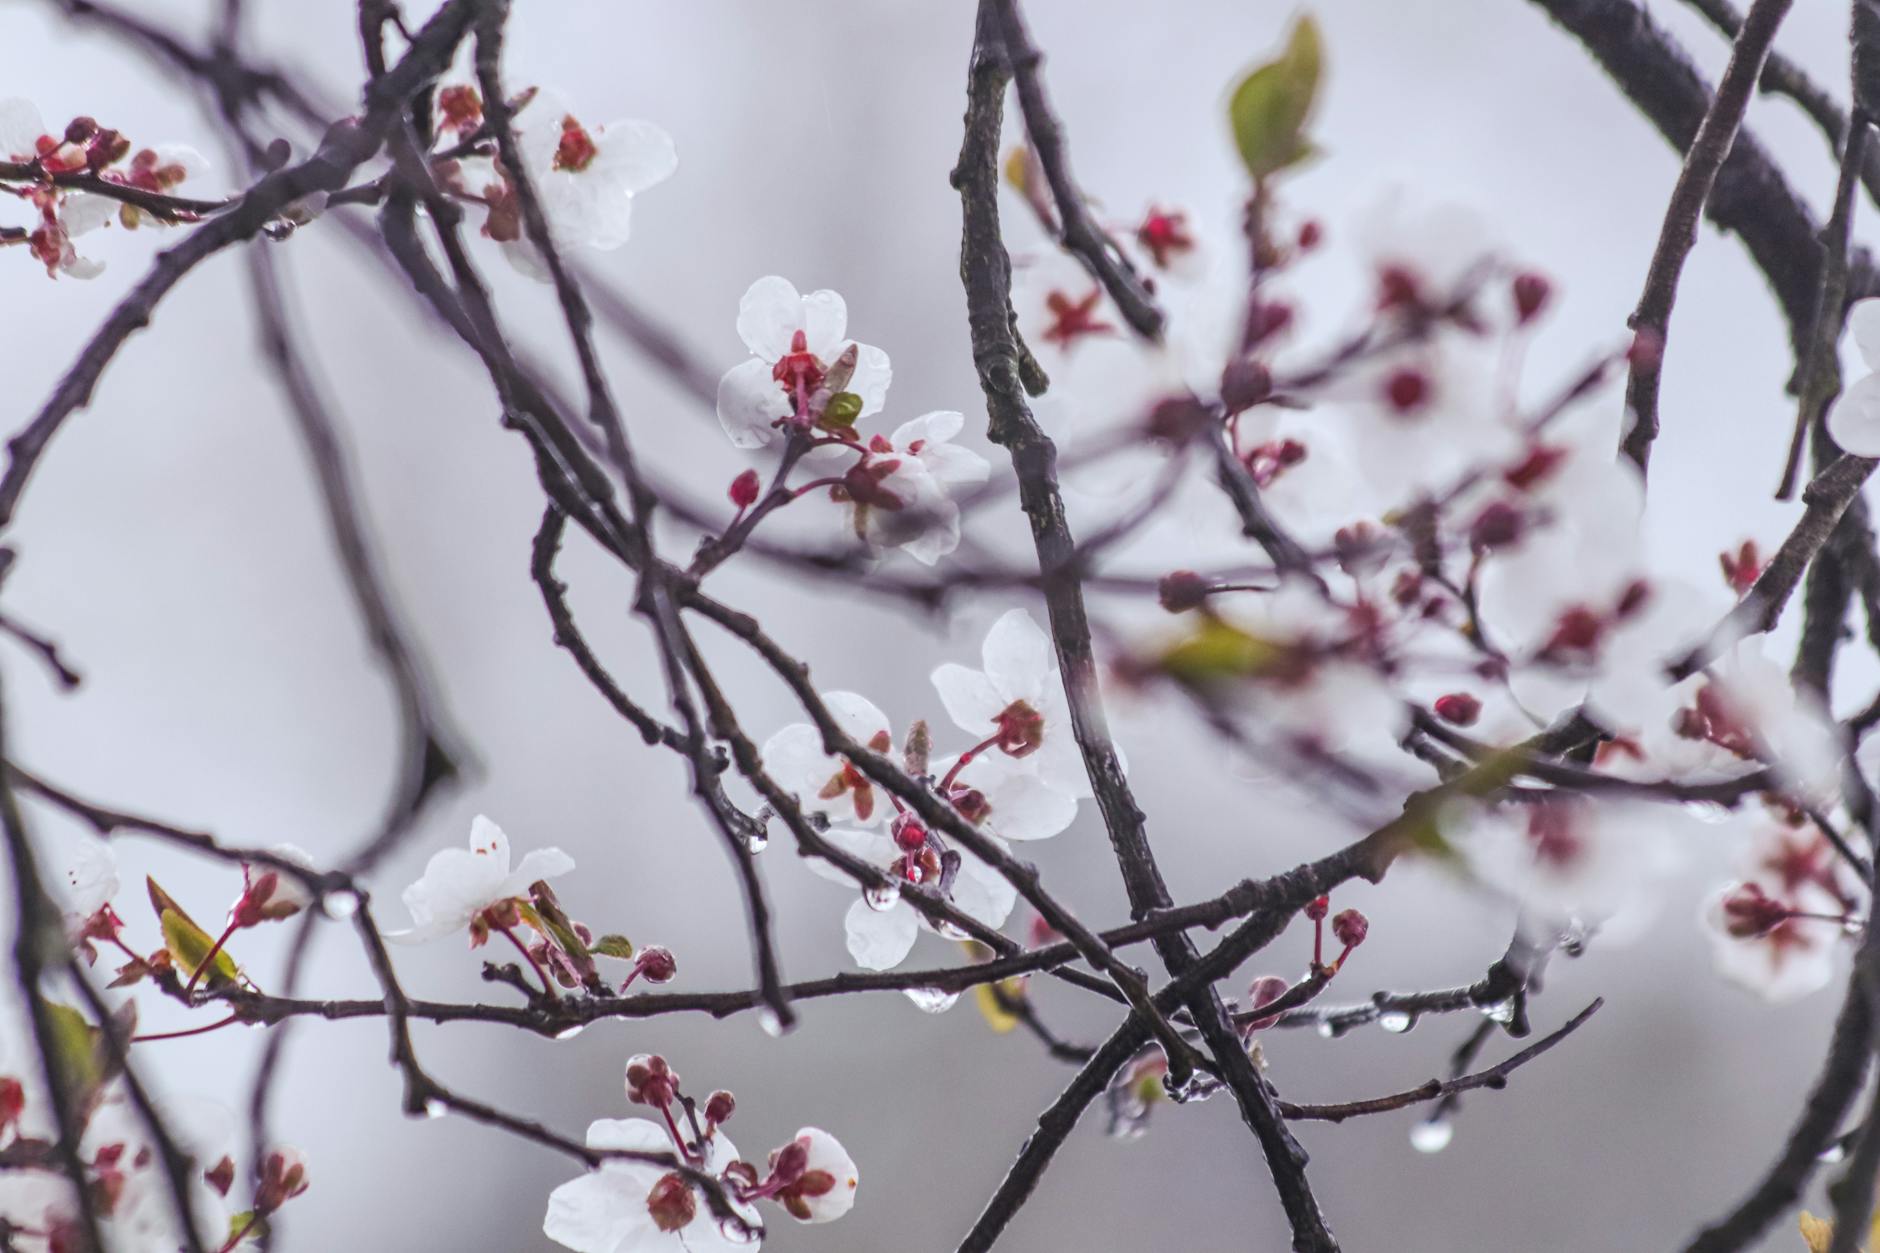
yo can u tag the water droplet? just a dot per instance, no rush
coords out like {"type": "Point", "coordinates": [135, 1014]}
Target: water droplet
{"type": "Point", "coordinates": [756, 840]}
{"type": "Point", "coordinates": [339, 906]}
{"type": "Point", "coordinates": [883, 897]}
{"type": "Point", "coordinates": [1327, 1029]}
{"type": "Point", "coordinates": [947, 930]}
{"type": "Point", "coordinates": [1198, 1088]}
{"type": "Point", "coordinates": [1396, 1020]}
{"type": "Point", "coordinates": [1499, 1011]}
{"type": "Point", "coordinates": [570, 1032]}
{"type": "Point", "coordinates": [1852, 925]}
{"type": "Point", "coordinates": [932, 1000]}
{"type": "Point", "coordinates": [1432, 1135]}
{"type": "Point", "coordinates": [767, 1020]}
{"type": "Point", "coordinates": [1833, 1153]}
{"type": "Point", "coordinates": [435, 1108]}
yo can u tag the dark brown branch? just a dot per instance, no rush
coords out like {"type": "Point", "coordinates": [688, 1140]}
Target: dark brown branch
{"type": "Point", "coordinates": [1705, 157]}
{"type": "Point", "coordinates": [1079, 233]}
{"type": "Point", "coordinates": [1495, 1076]}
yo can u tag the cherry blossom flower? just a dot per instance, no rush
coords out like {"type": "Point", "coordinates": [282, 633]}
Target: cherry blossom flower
{"type": "Point", "coordinates": [1854, 419]}
{"type": "Point", "coordinates": [881, 927]}
{"type": "Point", "coordinates": [1774, 931]}
{"type": "Point", "coordinates": [830, 786]}
{"type": "Point", "coordinates": [801, 359]}
{"type": "Point", "coordinates": [587, 176]}
{"type": "Point", "coordinates": [628, 1206]}
{"type": "Point", "coordinates": [1572, 859]}
{"type": "Point", "coordinates": [1016, 704]}
{"type": "Point", "coordinates": [817, 1176]}
{"type": "Point", "coordinates": [896, 493]}
{"type": "Point", "coordinates": [459, 884]}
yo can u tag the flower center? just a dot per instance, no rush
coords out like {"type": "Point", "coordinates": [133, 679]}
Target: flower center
{"type": "Point", "coordinates": [1020, 729]}
{"type": "Point", "coordinates": [1164, 235]}
{"type": "Point", "coordinates": [1072, 320]}
{"type": "Point", "coordinates": [577, 148]}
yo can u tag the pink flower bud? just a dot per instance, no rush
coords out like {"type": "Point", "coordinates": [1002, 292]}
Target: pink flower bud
{"type": "Point", "coordinates": [1181, 590]}
{"type": "Point", "coordinates": [1458, 708]}
{"type": "Point", "coordinates": [671, 1202]}
{"type": "Point", "coordinates": [650, 1081]}
{"type": "Point", "coordinates": [1265, 990]}
{"type": "Point", "coordinates": [1318, 907]}
{"type": "Point", "coordinates": [744, 489]}
{"type": "Point", "coordinates": [656, 964]}
{"type": "Point", "coordinates": [1531, 292]}
{"type": "Point", "coordinates": [1407, 390]}
{"type": "Point", "coordinates": [719, 1107]}
{"type": "Point", "coordinates": [1350, 927]}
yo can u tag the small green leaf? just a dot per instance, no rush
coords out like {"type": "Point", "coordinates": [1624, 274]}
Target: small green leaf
{"type": "Point", "coordinates": [77, 1051]}
{"type": "Point", "coordinates": [842, 410]}
{"type": "Point", "coordinates": [614, 946]}
{"type": "Point", "coordinates": [244, 1227]}
{"type": "Point", "coordinates": [188, 943]}
{"type": "Point", "coordinates": [1271, 105]}
{"type": "Point", "coordinates": [1217, 651]}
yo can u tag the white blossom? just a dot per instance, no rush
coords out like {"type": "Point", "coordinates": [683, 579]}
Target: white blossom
{"type": "Point", "coordinates": [458, 884]}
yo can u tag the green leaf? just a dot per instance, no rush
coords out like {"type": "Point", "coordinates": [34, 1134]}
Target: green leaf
{"type": "Point", "coordinates": [614, 946]}
{"type": "Point", "coordinates": [188, 943]}
{"type": "Point", "coordinates": [244, 1227]}
{"type": "Point", "coordinates": [1271, 105]}
{"type": "Point", "coordinates": [841, 411]}
{"type": "Point", "coordinates": [78, 1053]}
{"type": "Point", "coordinates": [1218, 651]}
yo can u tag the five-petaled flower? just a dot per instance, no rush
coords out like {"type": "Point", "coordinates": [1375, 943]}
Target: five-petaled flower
{"type": "Point", "coordinates": [459, 884]}
{"type": "Point", "coordinates": [897, 492]}
{"type": "Point", "coordinates": [626, 1206]}
{"type": "Point", "coordinates": [801, 363]}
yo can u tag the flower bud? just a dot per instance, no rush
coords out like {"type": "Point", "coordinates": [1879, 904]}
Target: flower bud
{"type": "Point", "coordinates": [650, 1081]}
{"type": "Point", "coordinates": [1244, 384]}
{"type": "Point", "coordinates": [1318, 907]}
{"type": "Point", "coordinates": [1531, 292]}
{"type": "Point", "coordinates": [1458, 708]}
{"type": "Point", "coordinates": [719, 1107]}
{"type": "Point", "coordinates": [1181, 590]}
{"type": "Point", "coordinates": [744, 489]}
{"type": "Point", "coordinates": [671, 1202]}
{"type": "Point", "coordinates": [1350, 927]}
{"type": "Point", "coordinates": [1498, 525]}
{"type": "Point", "coordinates": [1264, 991]}
{"type": "Point", "coordinates": [656, 964]}
{"type": "Point", "coordinates": [283, 1177]}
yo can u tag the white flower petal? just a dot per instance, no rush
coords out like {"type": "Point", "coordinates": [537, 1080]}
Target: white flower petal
{"type": "Point", "coordinates": [826, 1154]}
{"type": "Point", "coordinates": [824, 318]}
{"type": "Point", "coordinates": [599, 1213]}
{"type": "Point", "coordinates": [880, 939]}
{"type": "Point", "coordinates": [749, 401]}
{"type": "Point", "coordinates": [1863, 320]}
{"type": "Point", "coordinates": [1854, 419]}
{"type": "Point", "coordinates": [970, 699]}
{"type": "Point", "coordinates": [639, 154]}
{"type": "Point", "coordinates": [873, 847]}
{"type": "Point", "coordinates": [871, 378]}
{"type": "Point", "coordinates": [1018, 657]}
{"type": "Point", "coordinates": [768, 315]}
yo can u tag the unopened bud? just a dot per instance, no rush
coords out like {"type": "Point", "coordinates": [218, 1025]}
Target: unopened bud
{"type": "Point", "coordinates": [1181, 590]}
{"type": "Point", "coordinates": [1531, 292]}
{"type": "Point", "coordinates": [656, 964]}
{"type": "Point", "coordinates": [1318, 907]}
{"type": "Point", "coordinates": [1350, 927]}
{"type": "Point", "coordinates": [744, 489]}
{"type": "Point", "coordinates": [1458, 708]}
{"type": "Point", "coordinates": [719, 1107]}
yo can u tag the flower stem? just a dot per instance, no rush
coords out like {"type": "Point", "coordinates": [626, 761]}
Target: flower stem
{"type": "Point", "coordinates": [548, 988]}
{"type": "Point", "coordinates": [208, 960]}
{"type": "Point", "coordinates": [178, 1035]}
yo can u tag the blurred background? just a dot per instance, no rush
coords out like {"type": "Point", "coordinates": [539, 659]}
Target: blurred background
{"type": "Point", "coordinates": [173, 543]}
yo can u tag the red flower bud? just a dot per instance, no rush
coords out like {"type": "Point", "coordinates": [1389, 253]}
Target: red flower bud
{"type": "Point", "coordinates": [671, 1202]}
{"type": "Point", "coordinates": [1318, 907]}
{"type": "Point", "coordinates": [1181, 590]}
{"type": "Point", "coordinates": [1458, 708]}
{"type": "Point", "coordinates": [656, 964]}
{"type": "Point", "coordinates": [719, 1107]}
{"type": "Point", "coordinates": [1350, 927]}
{"type": "Point", "coordinates": [1531, 292]}
{"type": "Point", "coordinates": [744, 489]}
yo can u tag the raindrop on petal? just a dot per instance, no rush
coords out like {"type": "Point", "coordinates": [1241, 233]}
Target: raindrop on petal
{"type": "Point", "coordinates": [1432, 1135]}
{"type": "Point", "coordinates": [883, 897]}
{"type": "Point", "coordinates": [736, 1231]}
